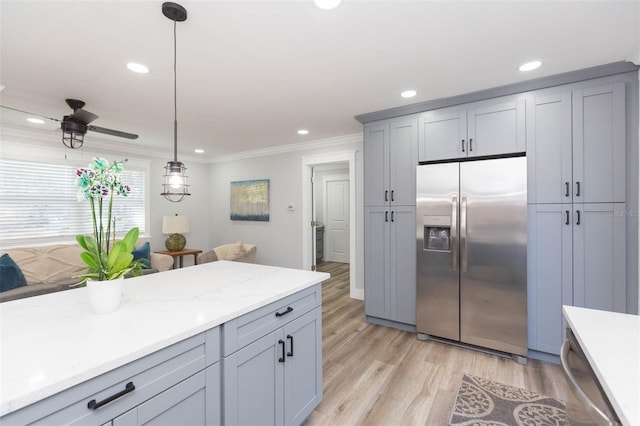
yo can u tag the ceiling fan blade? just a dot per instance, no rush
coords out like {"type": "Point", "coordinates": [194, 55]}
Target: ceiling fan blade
{"type": "Point", "coordinates": [112, 132]}
{"type": "Point", "coordinates": [30, 113]}
{"type": "Point", "coordinates": [84, 117]}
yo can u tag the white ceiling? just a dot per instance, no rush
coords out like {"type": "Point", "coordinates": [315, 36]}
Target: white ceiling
{"type": "Point", "coordinates": [251, 73]}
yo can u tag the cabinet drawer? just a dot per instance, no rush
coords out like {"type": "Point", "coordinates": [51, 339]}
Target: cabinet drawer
{"type": "Point", "coordinates": [150, 375]}
{"type": "Point", "coordinates": [248, 328]}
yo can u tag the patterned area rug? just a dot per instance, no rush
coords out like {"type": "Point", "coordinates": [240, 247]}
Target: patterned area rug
{"type": "Point", "coordinates": [485, 402]}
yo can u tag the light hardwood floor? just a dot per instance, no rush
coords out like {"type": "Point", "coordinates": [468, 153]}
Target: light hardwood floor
{"type": "Point", "coordinates": [374, 375]}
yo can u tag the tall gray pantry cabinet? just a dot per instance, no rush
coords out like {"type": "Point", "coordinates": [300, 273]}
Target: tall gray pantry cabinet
{"type": "Point", "coordinates": [577, 210]}
{"type": "Point", "coordinates": [390, 159]}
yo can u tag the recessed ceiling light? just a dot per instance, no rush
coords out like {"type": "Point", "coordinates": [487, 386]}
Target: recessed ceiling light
{"type": "Point", "coordinates": [529, 66]}
{"type": "Point", "coordinates": [199, 151]}
{"type": "Point", "coordinates": [139, 68]}
{"type": "Point", "coordinates": [35, 120]}
{"type": "Point", "coordinates": [408, 93]}
{"type": "Point", "coordinates": [303, 132]}
{"type": "Point", "coordinates": [327, 4]}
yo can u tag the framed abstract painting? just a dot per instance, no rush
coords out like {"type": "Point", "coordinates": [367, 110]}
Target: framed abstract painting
{"type": "Point", "coordinates": [250, 200]}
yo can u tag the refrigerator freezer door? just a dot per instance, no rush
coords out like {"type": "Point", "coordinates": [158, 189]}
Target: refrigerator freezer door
{"type": "Point", "coordinates": [437, 276]}
{"type": "Point", "coordinates": [493, 278]}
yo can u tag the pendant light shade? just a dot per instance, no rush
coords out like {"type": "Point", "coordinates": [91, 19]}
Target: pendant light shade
{"type": "Point", "coordinates": [175, 187]}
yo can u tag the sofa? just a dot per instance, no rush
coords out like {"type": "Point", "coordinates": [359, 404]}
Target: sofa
{"type": "Point", "coordinates": [237, 252]}
{"type": "Point", "coordinates": [49, 269]}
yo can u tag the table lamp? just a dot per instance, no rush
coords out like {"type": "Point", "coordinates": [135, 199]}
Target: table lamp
{"type": "Point", "coordinates": [175, 226]}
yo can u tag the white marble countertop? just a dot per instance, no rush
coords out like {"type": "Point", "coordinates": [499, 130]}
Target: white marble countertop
{"type": "Point", "coordinates": [52, 342]}
{"type": "Point", "coordinates": [611, 343]}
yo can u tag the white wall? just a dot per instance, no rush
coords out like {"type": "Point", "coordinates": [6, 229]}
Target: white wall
{"type": "Point", "coordinates": [279, 240]}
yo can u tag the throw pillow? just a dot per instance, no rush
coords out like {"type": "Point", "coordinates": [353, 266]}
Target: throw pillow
{"type": "Point", "coordinates": [207, 257]}
{"type": "Point", "coordinates": [142, 254]}
{"type": "Point", "coordinates": [10, 274]}
{"type": "Point", "coordinates": [236, 251]}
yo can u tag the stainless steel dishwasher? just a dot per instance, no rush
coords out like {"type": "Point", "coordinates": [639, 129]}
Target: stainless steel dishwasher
{"type": "Point", "coordinates": [587, 403]}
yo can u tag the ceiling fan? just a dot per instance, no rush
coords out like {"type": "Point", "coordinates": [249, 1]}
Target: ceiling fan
{"type": "Point", "coordinates": [76, 125]}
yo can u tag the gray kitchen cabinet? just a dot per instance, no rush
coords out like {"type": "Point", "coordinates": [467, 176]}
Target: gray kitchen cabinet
{"type": "Point", "coordinates": [576, 256]}
{"type": "Point", "coordinates": [599, 256]}
{"type": "Point", "coordinates": [390, 159]}
{"type": "Point", "coordinates": [186, 403]}
{"type": "Point", "coordinates": [549, 274]}
{"type": "Point", "coordinates": [484, 128]}
{"type": "Point", "coordinates": [272, 368]}
{"type": "Point", "coordinates": [390, 259]}
{"type": "Point", "coordinates": [576, 145]}
{"type": "Point", "coordinates": [156, 389]}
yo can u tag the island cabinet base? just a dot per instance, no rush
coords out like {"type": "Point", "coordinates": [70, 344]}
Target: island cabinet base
{"type": "Point", "coordinates": [272, 362]}
{"type": "Point", "coordinates": [264, 367]}
{"type": "Point", "coordinates": [180, 381]}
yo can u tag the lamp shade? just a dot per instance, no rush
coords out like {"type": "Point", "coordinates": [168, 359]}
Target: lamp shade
{"type": "Point", "coordinates": [175, 224]}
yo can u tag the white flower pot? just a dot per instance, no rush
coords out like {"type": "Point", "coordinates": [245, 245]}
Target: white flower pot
{"type": "Point", "coordinates": [104, 296]}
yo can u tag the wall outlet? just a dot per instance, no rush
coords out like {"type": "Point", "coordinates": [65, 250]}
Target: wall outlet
{"type": "Point", "coordinates": [290, 207]}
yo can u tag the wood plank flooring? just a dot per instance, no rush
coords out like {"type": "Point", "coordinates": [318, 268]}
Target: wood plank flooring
{"type": "Point", "coordinates": [374, 375]}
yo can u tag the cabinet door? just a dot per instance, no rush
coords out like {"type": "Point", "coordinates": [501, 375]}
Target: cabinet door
{"type": "Point", "coordinates": [376, 262]}
{"type": "Point", "coordinates": [496, 128]}
{"type": "Point", "coordinates": [442, 134]}
{"type": "Point", "coordinates": [303, 367]}
{"type": "Point", "coordinates": [376, 164]}
{"type": "Point", "coordinates": [254, 383]}
{"type": "Point", "coordinates": [182, 404]}
{"type": "Point", "coordinates": [549, 274]}
{"type": "Point", "coordinates": [599, 144]}
{"type": "Point", "coordinates": [403, 159]}
{"type": "Point", "coordinates": [549, 153]}
{"type": "Point", "coordinates": [403, 264]}
{"type": "Point", "coordinates": [599, 250]}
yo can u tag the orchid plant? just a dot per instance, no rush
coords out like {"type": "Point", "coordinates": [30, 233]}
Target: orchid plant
{"type": "Point", "coordinates": [105, 258]}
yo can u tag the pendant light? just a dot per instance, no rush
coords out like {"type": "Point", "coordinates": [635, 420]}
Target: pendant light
{"type": "Point", "coordinates": [175, 186]}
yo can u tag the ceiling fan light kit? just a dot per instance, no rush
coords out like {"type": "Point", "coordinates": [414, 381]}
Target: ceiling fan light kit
{"type": "Point", "coordinates": [175, 187]}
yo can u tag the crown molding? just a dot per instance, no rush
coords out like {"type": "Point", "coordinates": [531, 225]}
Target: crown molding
{"type": "Point", "coordinates": [338, 141]}
{"type": "Point", "coordinates": [49, 140]}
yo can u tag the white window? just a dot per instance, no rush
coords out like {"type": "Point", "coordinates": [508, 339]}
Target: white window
{"type": "Point", "coordinates": [39, 202]}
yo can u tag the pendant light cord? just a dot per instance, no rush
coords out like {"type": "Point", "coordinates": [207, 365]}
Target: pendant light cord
{"type": "Point", "coordinates": [175, 96]}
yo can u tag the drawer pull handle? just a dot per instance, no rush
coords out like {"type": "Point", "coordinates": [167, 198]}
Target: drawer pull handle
{"type": "Point", "coordinates": [290, 338]}
{"type": "Point", "coordinates": [289, 309]}
{"type": "Point", "coordinates": [94, 405]}
{"type": "Point", "coordinates": [281, 342]}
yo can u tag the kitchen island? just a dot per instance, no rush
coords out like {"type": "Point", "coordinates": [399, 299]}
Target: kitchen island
{"type": "Point", "coordinates": [194, 328]}
{"type": "Point", "coordinates": [611, 343]}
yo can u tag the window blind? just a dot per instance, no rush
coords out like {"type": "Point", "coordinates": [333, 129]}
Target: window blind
{"type": "Point", "coordinates": [39, 200]}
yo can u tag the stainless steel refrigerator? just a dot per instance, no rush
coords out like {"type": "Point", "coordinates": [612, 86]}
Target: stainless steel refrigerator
{"type": "Point", "coordinates": [471, 221]}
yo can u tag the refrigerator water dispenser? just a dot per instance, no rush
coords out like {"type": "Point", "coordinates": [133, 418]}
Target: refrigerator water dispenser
{"type": "Point", "coordinates": [437, 233]}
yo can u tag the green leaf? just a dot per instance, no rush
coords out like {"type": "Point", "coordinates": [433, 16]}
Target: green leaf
{"type": "Point", "coordinates": [80, 240]}
{"type": "Point", "coordinates": [90, 260]}
{"type": "Point", "coordinates": [131, 238]}
{"type": "Point", "coordinates": [119, 261]}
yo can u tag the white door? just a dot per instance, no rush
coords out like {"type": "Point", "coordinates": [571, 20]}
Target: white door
{"type": "Point", "coordinates": [336, 218]}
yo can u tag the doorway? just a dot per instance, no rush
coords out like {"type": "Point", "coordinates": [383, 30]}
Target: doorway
{"type": "Point", "coordinates": [331, 165]}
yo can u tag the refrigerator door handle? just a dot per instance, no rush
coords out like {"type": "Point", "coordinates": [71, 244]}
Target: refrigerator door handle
{"type": "Point", "coordinates": [575, 387]}
{"type": "Point", "coordinates": [463, 234]}
{"type": "Point", "coordinates": [454, 234]}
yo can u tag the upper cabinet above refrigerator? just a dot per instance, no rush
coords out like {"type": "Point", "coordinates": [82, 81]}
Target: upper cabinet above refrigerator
{"type": "Point", "coordinates": [485, 128]}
